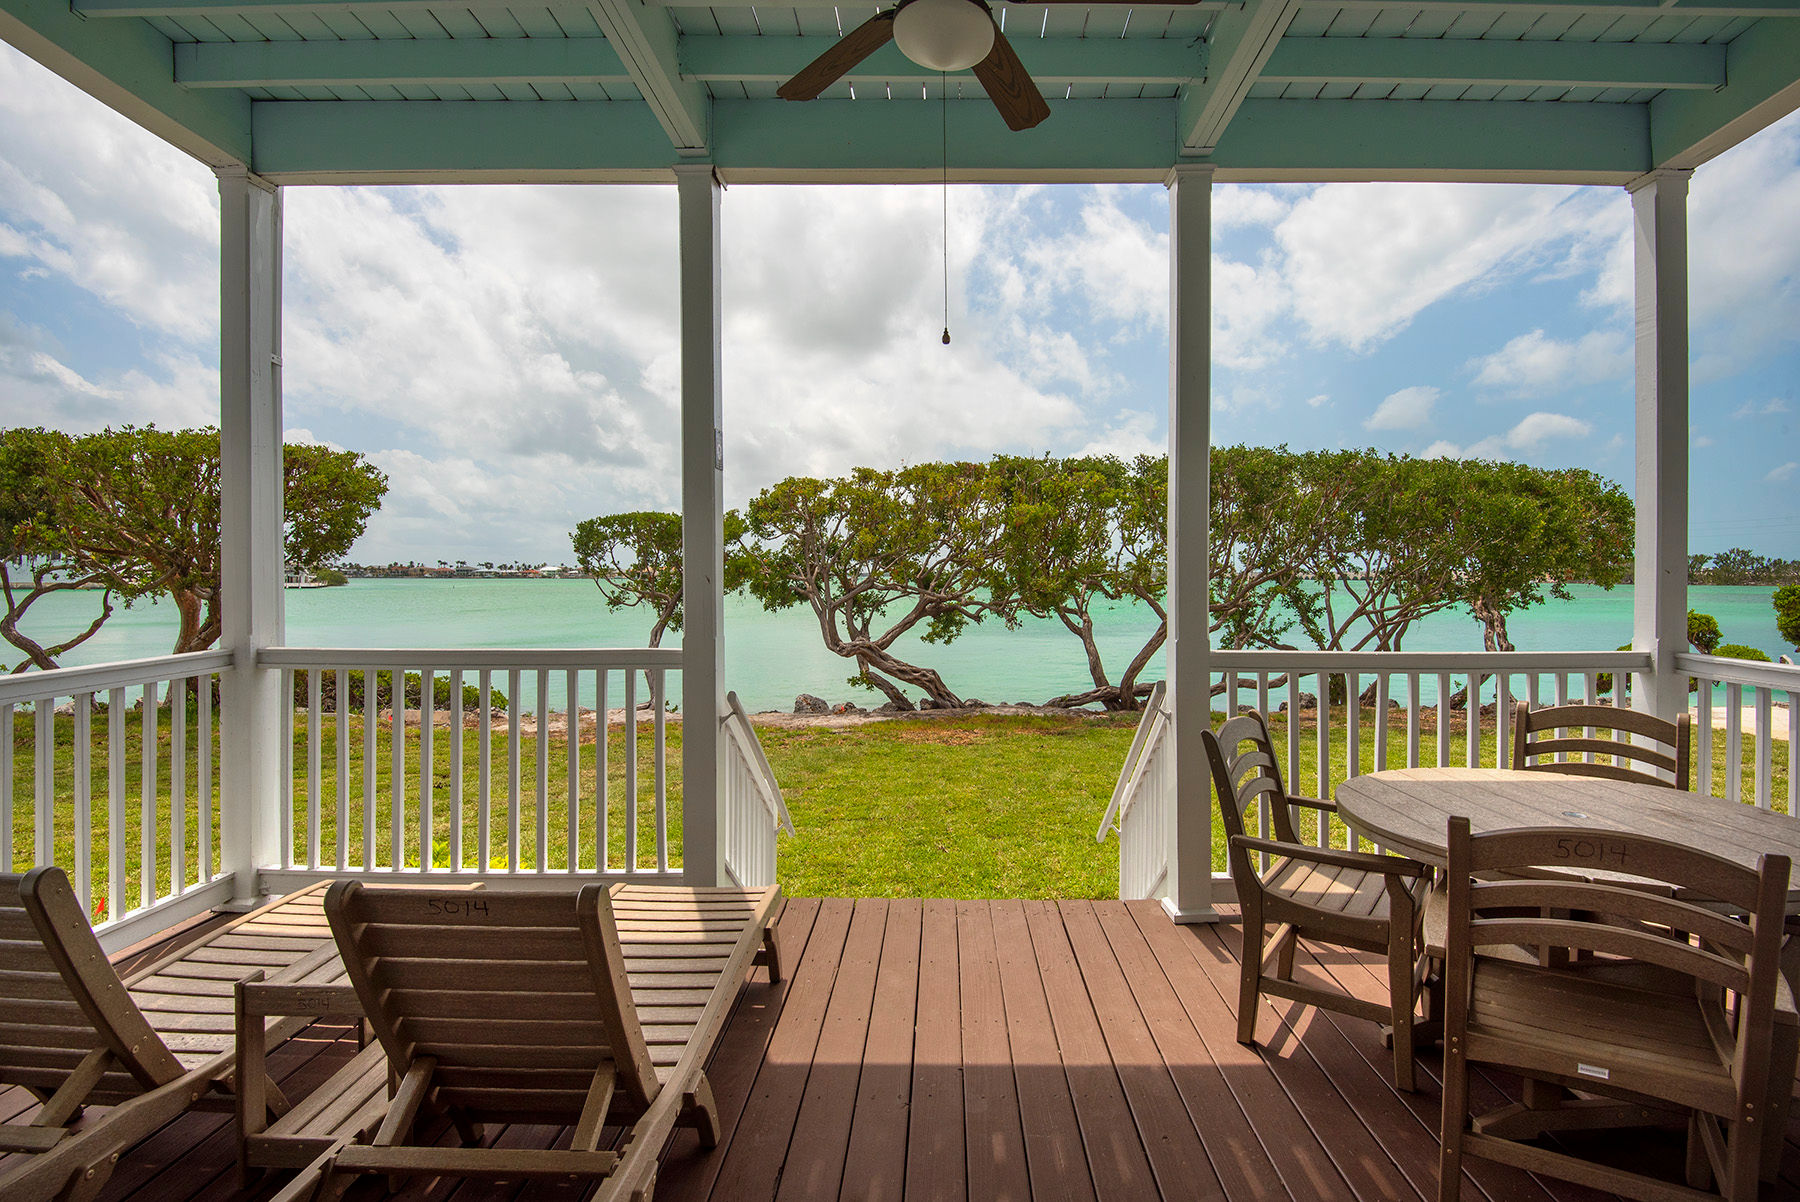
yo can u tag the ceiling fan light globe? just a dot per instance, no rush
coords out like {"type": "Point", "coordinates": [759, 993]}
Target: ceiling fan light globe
{"type": "Point", "coordinates": [944, 35]}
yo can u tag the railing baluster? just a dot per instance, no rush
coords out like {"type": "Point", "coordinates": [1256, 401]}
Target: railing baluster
{"type": "Point", "coordinates": [397, 775]}
{"type": "Point", "coordinates": [341, 738]}
{"type": "Point", "coordinates": [543, 770]}
{"type": "Point", "coordinates": [427, 764]}
{"type": "Point", "coordinates": [1381, 721]}
{"type": "Point", "coordinates": [203, 759]}
{"type": "Point", "coordinates": [456, 770]}
{"type": "Point", "coordinates": [1352, 729]}
{"type": "Point", "coordinates": [631, 758]}
{"type": "Point", "coordinates": [1502, 720]}
{"type": "Point", "coordinates": [662, 782]}
{"type": "Point", "coordinates": [1443, 719]}
{"type": "Point", "coordinates": [115, 803]}
{"type": "Point", "coordinates": [1323, 785]}
{"type": "Point", "coordinates": [83, 767]}
{"type": "Point", "coordinates": [43, 813]}
{"type": "Point", "coordinates": [602, 787]}
{"type": "Point", "coordinates": [1293, 731]}
{"type": "Point", "coordinates": [1704, 736]}
{"type": "Point", "coordinates": [1793, 725]}
{"type": "Point", "coordinates": [178, 690]}
{"type": "Point", "coordinates": [286, 787]}
{"type": "Point", "coordinates": [572, 741]}
{"type": "Point", "coordinates": [147, 857]}
{"type": "Point", "coordinates": [1412, 720]}
{"type": "Point", "coordinates": [1472, 734]}
{"type": "Point", "coordinates": [513, 836]}
{"type": "Point", "coordinates": [371, 730]}
{"type": "Point", "coordinates": [315, 692]}
{"type": "Point", "coordinates": [6, 788]}
{"type": "Point", "coordinates": [1764, 745]}
{"type": "Point", "coordinates": [484, 773]}
{"type": "Point", "coordinates": [1734, 742]}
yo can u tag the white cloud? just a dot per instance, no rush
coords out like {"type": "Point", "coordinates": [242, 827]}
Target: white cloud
{"type": "Point", "coordinates": [1441, 449]}
{"type": "Point", "coordinates": [1534, 364]}
{"type": "Point", "coordinates": [1407, 409]}
{"type": "Point", "coordinates": [1318, 402]}
{"type": "Point", "coordinates": [1770, 408]}
{"type": "Point", "coordinates": [1783, 473]}
{"type": "Point", "coordinates": [1538, 429]}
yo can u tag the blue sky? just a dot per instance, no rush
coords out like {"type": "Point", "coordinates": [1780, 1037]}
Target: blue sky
{"type": "Point", "coordinates": [509, 355]}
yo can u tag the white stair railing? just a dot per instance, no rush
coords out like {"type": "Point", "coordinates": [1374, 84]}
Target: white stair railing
{"type": "Point", "coordinates": [1142, 803]}
{"type": "Point", "coordinates": [135, 827]}
{"type": "Point", "coordinates": [751, 809]}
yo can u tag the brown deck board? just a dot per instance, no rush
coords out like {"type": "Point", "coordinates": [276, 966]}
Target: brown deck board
{"type": "Point", "coordinates": [972, 1050]}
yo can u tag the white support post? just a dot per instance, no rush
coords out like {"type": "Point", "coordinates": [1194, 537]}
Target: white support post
{"type": "Point", "coordinates": [702, 526]}
{"type": "Point", "coordinates": [1659, 588]}
{"type": "Point", "coordinates": [1189, 898]}
{"type": "Point", "coordinates": [250, 523]}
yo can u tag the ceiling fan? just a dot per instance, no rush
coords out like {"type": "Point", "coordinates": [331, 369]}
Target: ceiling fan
{"type": "Point", "coordinates": [939, 35]}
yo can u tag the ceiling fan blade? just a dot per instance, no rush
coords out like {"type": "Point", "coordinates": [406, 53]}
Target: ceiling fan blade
{"type": "Point", "coordinates": [1009, 86]}
{"type": "Point", "coordinates": [844, 54]}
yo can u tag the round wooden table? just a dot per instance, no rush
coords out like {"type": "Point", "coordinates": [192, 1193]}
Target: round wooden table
{"type": "Point", "coordinates": [1408, 810]}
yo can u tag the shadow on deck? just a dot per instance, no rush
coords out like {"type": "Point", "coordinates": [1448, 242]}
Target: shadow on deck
{"type": "Point", "coordinates": [1004, 1049]}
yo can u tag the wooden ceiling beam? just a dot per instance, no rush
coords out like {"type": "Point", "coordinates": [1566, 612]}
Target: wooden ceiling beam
{"type": "Point", "coordinates": [1058, 60]}
{"type": "Point", "coordinates": [1238, 45]}
{"type": "Point", "coordinates": [398, 63]}
{"type": "Point", "coordinates": [648, 45]}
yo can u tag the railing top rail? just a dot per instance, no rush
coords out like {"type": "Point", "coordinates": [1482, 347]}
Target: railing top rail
{"type": "Point", "coordinates": [1741, 671]}
{"type": "Point", "coordinates": [446, 658]}
{"type": "Point", "coordinates": [94, 678]}
{"type": "Point", "coordinates": [1255, 659]}
{"type": "Point", "coordinates": [1154, 715]}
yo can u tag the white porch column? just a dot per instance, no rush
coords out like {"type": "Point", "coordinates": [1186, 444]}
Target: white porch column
{"type": "Point", "coordinates": [250, 521]}
{"type": "Point", "coordinates": [1189, 655]}
{"type": "Point", "coordinates": [702, 525]}
{"type": "Point", "coordinates": [1659, 575]}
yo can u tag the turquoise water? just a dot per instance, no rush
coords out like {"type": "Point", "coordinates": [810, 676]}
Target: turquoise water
{"type": "Point", "coordinates": [771, 657]}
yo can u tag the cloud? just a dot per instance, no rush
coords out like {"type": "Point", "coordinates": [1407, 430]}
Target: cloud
{"type": "Point", "coordinates": [1407, 409]}
{"type": "Point", "coordinates": [1318, 402]}
{"type": "Point", "coordinates": [1783, 473]}
{"type": "Point", "coordinates": [1771, 408]}
{"type": "Point", "coordinates": [1539, 428]}
{"type": "Point", "coordinates": [1535, 364]}
{"type": "Point", "coordinates": [1441, 449]}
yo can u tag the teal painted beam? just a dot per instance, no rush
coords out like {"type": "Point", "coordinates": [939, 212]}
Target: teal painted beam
{"type": "Point", "coordinates": [1062, 60]}
{"type": "Point", "coordinates": [326, 141]}
{"type": "Point", "coordinates": [1471, 61]}
{"type": "Point", "coordinates": [1238, 45]}
{"type": "Point", "coordinates": [1423, 139]}
{"type": "Point", "coordinates": [650, 49]}
{"type": "Point", "coordinates": [877, 139]}
{"type": "Point", "coordinates": [126, 67]}
{"type": "Point", "coordinates": [1597, 8]}
{"type": "Point", "coordinates": [395, 62]}
{"type": "Point", "coordinates": [1763, 67]}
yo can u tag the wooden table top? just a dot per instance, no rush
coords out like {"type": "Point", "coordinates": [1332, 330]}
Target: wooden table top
{"type": "Point", "coordinates": [1408, 810]}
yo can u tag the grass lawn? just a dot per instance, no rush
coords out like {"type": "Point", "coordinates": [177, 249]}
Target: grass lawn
{"type": "Point", "coordinates": [967, 806]}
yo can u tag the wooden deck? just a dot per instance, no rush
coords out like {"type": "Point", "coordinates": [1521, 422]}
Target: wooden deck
{"type": "Point", "coordinates": [1006, 1049]}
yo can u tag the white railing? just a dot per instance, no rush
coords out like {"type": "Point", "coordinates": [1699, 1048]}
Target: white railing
{"type": "Point", "coordinates": [1770, 723]}
{"type": "Point", "coordinates": [132, 812]}
{"type": "Point", "coordinates": [385, 787]}
{"type": "Point", "coordinates": [1335, 715]}
{"type": "Point", "coordinates": [1142, 803]}
{"type": "Point", "coordinates": [751, 809]}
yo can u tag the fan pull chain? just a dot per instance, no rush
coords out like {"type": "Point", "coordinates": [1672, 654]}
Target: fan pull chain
{"type": "Point", "coordinates": [944, 112]}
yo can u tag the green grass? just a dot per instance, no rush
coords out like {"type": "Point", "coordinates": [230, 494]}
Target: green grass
{"type": "Point", "coordinates": [966, 806]}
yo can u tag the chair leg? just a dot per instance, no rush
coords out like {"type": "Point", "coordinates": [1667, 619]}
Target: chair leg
{"type": "Point", "coordinates": [1284, 958]}
{"type": "Point", "coordinates": [1400, 1006]}
{"type": "Point", "coordinates": [1454, 1120]}
{"type": "Point", "coordinates": [699, 1109]}
{"type": "Point", "coordinates": [1249, 980]}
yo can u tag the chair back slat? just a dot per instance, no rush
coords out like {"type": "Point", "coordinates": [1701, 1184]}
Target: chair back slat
{"type": "Point", "coordinates": [1245, 775]}
{"type": "Point", "coordinates": [1671, 753]}
{"type": "Point", "coordinates": [1651, 910]}
{"type": "Point", "coordinates": [61, 998]}
{"type": "Point", "coordinates": [1605, 939]}
{"type": "Point", "coordinates": [503, 990]}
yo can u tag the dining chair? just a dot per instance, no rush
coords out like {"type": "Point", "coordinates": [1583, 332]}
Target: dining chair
{"type": "Point", "coordinates": [1690, 1023]}
{"type": "Point", "coordinates": [1673, 740]}
{"type": "Point", "coordinates": [1351, 899]}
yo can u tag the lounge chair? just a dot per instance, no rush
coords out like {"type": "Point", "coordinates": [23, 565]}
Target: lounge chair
{"type": "Point", "coordinates": [580, 1010]}
{"type": "Point", "coordinates": [148, 1048]}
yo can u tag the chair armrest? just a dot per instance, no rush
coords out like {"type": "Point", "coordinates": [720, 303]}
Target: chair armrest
{"type": "Point", "coordinates": [1313, 803]}
{"type": "Point", "coordinates": [1359, 860]}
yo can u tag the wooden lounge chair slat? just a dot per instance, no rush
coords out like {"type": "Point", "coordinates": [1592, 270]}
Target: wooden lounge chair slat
{"type": "Point", "coordinates": [527, 1009]}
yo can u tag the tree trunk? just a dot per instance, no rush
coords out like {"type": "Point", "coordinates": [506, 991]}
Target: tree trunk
{"type": "Point", "coordinates": [190, 606]}
{"type": "Point", "coordinates": [1493, 625]}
